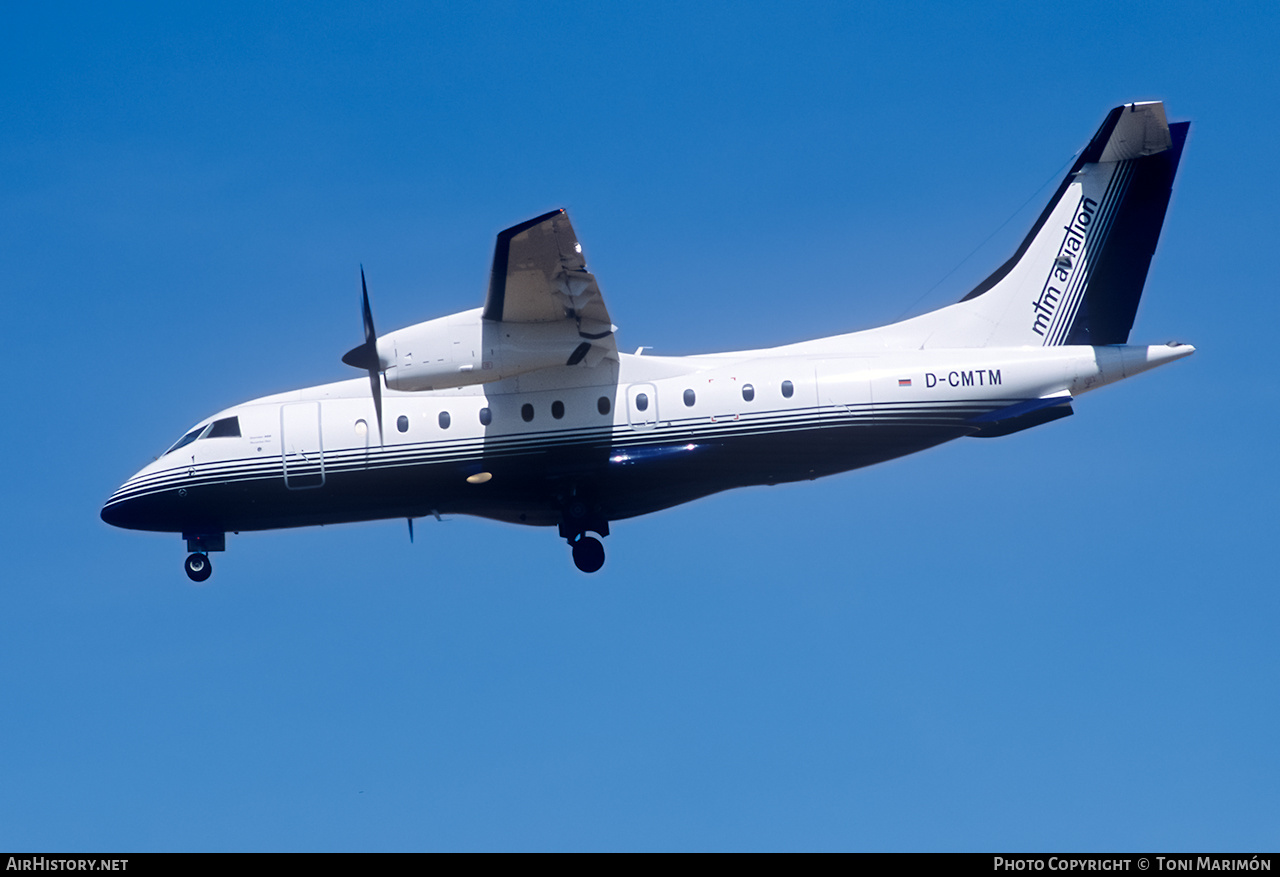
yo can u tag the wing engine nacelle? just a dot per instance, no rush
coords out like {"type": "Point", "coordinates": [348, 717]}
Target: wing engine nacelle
{"type": "Point", "coordinates": [464, 349]}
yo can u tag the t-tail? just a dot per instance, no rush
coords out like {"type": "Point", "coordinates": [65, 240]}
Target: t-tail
{"type": "Point", "coordinates": [1078, 275]}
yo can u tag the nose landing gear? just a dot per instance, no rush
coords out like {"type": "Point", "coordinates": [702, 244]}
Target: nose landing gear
{"type": "Point", "coordinates": [198, 567]}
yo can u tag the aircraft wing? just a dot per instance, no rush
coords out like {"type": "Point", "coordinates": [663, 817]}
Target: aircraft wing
{"type": "Point", "coordinates": [540, 276]}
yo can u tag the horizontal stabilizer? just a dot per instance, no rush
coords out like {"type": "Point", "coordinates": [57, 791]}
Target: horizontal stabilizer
{"type": "Point", "coordinates": [1131, 131]}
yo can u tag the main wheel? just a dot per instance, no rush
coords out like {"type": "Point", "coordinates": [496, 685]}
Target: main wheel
{"type": "Point", "coordinates": [588, 554]}
{"type": "Point", "coordinates": [198, 567]}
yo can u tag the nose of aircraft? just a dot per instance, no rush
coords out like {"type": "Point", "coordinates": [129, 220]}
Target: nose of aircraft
{"type": "Point", "coordinates": [135, 508]}
{"type": "Point", "coordinates": [117, 510]}
{"type": "Point", "coordinates": [113, 514]}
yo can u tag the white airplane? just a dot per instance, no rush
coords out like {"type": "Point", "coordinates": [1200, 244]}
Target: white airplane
{"type": "Point", "coordinates": [525, 411]}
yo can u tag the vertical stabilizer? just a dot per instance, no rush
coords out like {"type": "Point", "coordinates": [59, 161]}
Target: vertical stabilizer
{"type": "Point", "coordinates": [1078, 275]}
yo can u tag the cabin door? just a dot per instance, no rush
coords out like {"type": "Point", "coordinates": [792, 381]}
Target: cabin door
{"type": "Point", "coordinates": [844, 389]}
{"type": "Point", "coordinates": [301, 446]}
{"type": "Point", "coordinates": [642, 406]}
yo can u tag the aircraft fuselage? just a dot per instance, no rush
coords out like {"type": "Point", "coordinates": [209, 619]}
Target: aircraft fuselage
{"type": "Point", "coordinates": [657, 432]}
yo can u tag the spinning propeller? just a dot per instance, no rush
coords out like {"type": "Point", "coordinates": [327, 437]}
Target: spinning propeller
{"type": "Point", "coordinates": [366, 356]}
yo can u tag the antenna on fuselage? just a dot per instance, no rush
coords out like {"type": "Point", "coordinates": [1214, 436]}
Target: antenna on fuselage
{"type": "Point", "coordinates": [366, 356]}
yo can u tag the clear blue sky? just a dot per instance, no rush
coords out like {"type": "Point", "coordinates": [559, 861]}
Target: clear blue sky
{"type": "Point", "coordinates": [1065, 639]}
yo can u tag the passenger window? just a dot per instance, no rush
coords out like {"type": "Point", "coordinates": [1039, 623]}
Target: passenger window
{"type": "Point", "coordinates": [402, 423]}
{"type": "Point", "coordinates": [557, 409]}
{"type": "Point", "coordinates": [444, 419]}
{"type": "Point", "coordinates": [227, 427]}
{"type": "Point", "coordinates": [602, 404]}
{"type": "Point", "coordinates": [689, 398]}
{"type": "Point", "coordinates": [642, 402]}
{"type": "Point", "coordinates": [787, 389]}
{"type": "Point", "coordinates": [748, 392]}
{"type": "Point", "coordinates": [486, 417]}
{"type": "Point", "coordinates": [526, 412]}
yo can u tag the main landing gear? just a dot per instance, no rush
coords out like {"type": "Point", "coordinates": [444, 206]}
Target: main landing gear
{"type": "Point", "coordinates": [580, 516]}
{"type": "Point", "coordinates": [588, 553]}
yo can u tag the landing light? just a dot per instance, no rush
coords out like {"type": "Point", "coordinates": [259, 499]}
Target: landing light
{"type": "Point", "coordinates": [479, 477]}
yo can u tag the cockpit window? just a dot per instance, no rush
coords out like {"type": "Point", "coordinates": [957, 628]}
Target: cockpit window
{"type": "Point", "coordinates": [186, 439]}
{"type": "Point", "coordinates": [227, 427]}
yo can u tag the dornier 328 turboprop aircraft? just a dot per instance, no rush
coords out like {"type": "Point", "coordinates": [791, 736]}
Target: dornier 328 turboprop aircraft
{"type": "Point", "coordinates": [525, 411]}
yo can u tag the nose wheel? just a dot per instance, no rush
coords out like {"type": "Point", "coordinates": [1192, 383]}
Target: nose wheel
{"type": "Point", "coordinates": [588, 553]}
{"type": "Point", "coordinates": [198, 567]}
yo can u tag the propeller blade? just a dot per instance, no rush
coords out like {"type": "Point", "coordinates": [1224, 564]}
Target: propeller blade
{"type": "Point", "coordinates": [375, 384]}
{"type": "Point", "coordinates": [370, 336]}
{"type": "Point", "coordinates": [366, 355]}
